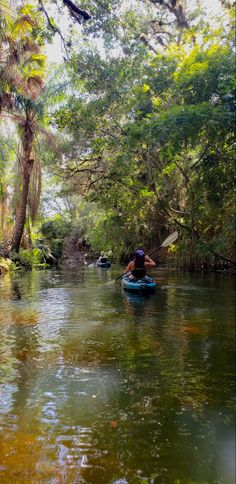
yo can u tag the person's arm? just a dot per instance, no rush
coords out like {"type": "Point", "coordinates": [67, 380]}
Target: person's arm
{"type": "Point", "coordinates": [149, 262]}
{"type": "Point", "coordinates": [129, 267]}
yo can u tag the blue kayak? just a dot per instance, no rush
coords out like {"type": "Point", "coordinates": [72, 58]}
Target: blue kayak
{"type": "Point", "coordinates": [147, 285]}
{"type": "Point", "coordinates": [103, 264]}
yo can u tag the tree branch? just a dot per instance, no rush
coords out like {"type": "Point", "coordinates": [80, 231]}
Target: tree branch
{"type": "Point", "coordinates": [182, 171]}
{"type": "Point", "coordinates": [224, 258]}
{"type": "Point", "coordinates": [176, 9]}
{"type": "Point", "coordinates": [201, 157]}
{"type": "Point", "coordinates": [55, 29]}
{"type": "Point", "coordinates": [76, 11]}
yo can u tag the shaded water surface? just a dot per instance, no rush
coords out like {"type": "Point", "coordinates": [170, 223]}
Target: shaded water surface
{"type": "Point", "coordinates": [98, 386]}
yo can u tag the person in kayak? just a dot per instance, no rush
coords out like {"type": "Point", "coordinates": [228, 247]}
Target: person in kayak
{"type": "Point", "coordinates": [137, 267]}
{"type": "Point", "coordinates": [102, 258]}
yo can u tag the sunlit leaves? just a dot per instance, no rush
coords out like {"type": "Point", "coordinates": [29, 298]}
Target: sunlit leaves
{"type": "Point", "coordinates": [145, 88]}
{"type": "Point", "coordinates": [145, 126]}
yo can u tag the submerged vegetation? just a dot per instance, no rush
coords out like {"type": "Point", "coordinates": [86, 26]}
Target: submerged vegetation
{"type": "Point", "coordinates": [129, 137]}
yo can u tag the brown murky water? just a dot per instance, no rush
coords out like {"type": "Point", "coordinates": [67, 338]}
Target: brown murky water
{"type": "Point", "coordinates": [99, 386]}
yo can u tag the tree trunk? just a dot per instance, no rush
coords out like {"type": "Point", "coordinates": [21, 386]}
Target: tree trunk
{"type": "Point", "coordinates": [2, 213]}
{"type": "Point", "coordinates": [30, 244]}
{"type": "Point", "coordinates": [27, 128]}
{"type": "Point", "coordinates": [21, 214]}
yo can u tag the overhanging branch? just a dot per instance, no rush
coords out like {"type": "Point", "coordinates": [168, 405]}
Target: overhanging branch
{"type": "Point", "coordinates": [75, 11]}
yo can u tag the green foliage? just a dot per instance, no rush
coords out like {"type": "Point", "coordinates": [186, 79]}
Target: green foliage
{"type": "Point", "coordinates": [161, 151]}
{"type": "Point", "coordinates": [34, 258]}
{"type": "Point", "coordinates": [6, 265]}
{"type": "Point", "coordinates": [55, 231]}
{"type": "Point", "coordinates": [142, 137]}
{"type": "Point", "coordinates": [57, 228]}
{"type": "Point", "coordinates": [56, 246]}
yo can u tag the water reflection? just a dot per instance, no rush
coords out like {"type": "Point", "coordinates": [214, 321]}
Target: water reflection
{"type": "Point", "coordinates": [136, 304]}
{"type": "Point", "coordinates": [16, 290]}
{"type": "Point", "coordinates": [98, 386]}
{"type": "Point", "coordinates": [103, 273]}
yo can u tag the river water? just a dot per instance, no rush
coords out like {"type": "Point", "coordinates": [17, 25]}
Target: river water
{"type": "Point", "coordinates": [99, 386]}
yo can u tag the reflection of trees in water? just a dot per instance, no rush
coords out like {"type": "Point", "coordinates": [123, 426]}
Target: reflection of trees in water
{"type": "Point", "coordinates": [19, 340]}
{"type": "Point", "coordinates": [5, 286]}
{"type": "Point", "coordinates": [112, 334]}
{"type": "Point", "coordinates": [103, 273]}
{"type": "Point", "coordinates": [135, 304]}
{"type": "Point", "coordinates": [163, 398]}
{"type": "Point", "coordinates": [197, 355]}
{"type": "Point", "coordinates": [127, 397]}
{"type": "Point", "coordinates": [18, 337]}
{"type": "Point", "coordinates": [20, 286]}
{"type": "Point", "coordinates": [73, 275]}
{"type": "Point", "coordinates": [145, 428]}
{"type": "Point", "coordinates": [25, 353]}
{"type": "Point", "coordinates": [20, 447]}
{"type": "Point", "coordinates": [16, 290]}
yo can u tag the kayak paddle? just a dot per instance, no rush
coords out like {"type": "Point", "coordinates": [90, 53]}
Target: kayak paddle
{"type": "Point", "coordinates": [169, 240]}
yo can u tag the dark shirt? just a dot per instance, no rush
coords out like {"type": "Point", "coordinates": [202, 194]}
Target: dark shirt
{"type": "Point", "coordinates": [138, 272]}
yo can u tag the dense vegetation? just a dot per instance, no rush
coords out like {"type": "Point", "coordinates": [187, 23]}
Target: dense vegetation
{"type": "Point", "coordinates": [133, 131]}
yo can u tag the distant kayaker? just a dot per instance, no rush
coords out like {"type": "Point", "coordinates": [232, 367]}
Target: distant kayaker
{"type": "Point", "coordinates": [102, 258]}
{"type": "Point", "coordinates": [137, 267]}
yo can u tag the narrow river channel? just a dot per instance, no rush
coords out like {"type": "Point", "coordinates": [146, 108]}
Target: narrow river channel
{"type": "Point", "coordinates": [99, 386]}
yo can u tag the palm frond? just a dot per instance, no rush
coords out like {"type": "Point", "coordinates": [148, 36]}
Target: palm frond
{"type": "Point", "coordinates": [35, 85]}
{"type": "Point", "coordinates": [23, 26]}
{"type": "Point", "coordinates": [38, 58]}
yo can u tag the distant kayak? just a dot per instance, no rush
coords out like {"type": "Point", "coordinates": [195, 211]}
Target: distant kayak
{"type": "Point", "coordinates": [144, 286]}
{"type": "Point", "coordinates": [103, 264]}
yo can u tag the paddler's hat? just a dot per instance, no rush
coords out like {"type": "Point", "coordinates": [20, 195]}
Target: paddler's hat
{"type": "Point", "coordinates": [139, 253]}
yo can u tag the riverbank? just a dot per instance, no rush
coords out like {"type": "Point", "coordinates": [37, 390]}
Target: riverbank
{"type": "Point", "coordinates": [71, 253]}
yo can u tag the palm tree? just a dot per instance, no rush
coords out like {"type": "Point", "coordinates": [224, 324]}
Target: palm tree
{"type": "Point", "coordinates": [4, 198]}
{"type": "Point", "coordinates": [27, 128]}
{"type": "Point", "coordinates": [22, 72]}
